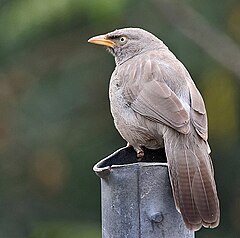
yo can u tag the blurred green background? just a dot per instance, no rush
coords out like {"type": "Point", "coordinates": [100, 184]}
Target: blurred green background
{"type": "Point", "coordinates": [55, 122]}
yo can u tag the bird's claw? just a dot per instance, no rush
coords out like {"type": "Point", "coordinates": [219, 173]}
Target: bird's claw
{"type": "Point", "coordinates": [140, 154]}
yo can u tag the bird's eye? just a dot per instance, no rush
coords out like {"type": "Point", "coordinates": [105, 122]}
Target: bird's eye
{"type": "Point", "coordinates": [123, 39]}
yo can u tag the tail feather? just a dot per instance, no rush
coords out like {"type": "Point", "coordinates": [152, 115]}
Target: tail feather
{"type": "Point", "coordinates": [205, 194]}
{"type": "Point", "coordinates": [192, 180]}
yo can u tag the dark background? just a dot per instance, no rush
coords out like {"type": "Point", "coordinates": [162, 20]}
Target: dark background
{"type": "Point", "coordinates": [55, 122]}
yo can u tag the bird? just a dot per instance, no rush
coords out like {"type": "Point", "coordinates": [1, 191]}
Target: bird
{"type": "Point", "coordinates": [155, 104]}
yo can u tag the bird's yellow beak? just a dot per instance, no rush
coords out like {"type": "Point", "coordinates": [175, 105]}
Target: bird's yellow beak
{"type": "Point", "coordinates": [101, 40]}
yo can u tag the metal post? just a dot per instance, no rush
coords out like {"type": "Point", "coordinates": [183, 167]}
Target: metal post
{"type": "Point", "coordinates": [137, 198]}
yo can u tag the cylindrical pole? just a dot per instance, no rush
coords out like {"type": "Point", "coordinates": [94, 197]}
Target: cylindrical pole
{"type": "Point", "coordinates": [137, 199]}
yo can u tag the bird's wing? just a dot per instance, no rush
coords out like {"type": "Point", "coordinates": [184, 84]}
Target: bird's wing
{"type": "Point", "coordinates": [149, 95]}
{"type": "Point", "coordinates": [198, 111]}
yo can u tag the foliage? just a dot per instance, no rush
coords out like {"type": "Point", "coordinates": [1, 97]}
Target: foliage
{"type": "Point", "coordinates": [66, 230]}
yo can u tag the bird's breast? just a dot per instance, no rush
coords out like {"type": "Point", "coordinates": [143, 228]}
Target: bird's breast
{"type": "Point", "coordinates": [133, 127]}
{"type": "Point", "coordinates": [120, 107]}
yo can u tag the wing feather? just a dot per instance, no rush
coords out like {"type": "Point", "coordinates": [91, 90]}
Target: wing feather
{"type": "Point", "coordinates": [198, 112]}
{"type": "Point", "coordinates": [150, 96]}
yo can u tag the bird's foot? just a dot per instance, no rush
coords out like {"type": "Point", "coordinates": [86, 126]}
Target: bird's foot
{"type": "Point", "coordinates": [140, 153]}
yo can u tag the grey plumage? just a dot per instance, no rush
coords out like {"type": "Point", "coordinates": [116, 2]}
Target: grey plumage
{"type": "Point", "coordinates": [155, 103]}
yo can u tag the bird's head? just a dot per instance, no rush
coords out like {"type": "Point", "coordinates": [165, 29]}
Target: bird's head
{"type": "Point", "coordinates": [127, 42]}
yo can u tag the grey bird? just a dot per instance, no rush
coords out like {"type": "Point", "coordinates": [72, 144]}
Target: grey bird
{"type": "Point", "coordinates": [155, 104]}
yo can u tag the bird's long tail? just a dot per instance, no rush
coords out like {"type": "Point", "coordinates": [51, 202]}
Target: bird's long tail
{"type": "Point", "coordinates": [192, 179]}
